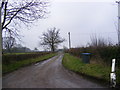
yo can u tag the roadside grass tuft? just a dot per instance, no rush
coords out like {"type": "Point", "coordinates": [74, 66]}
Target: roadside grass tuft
{"type": "Point", "coordinates": [6, 68]}
{"type": "Point", "coordinates": [94, 70]}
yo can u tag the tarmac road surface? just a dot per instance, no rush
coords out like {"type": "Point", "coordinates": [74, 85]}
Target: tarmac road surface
{"type": "Point", "coordinates": [46, 74]}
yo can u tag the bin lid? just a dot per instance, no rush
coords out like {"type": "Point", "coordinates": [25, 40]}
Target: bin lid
{"type": "Point", "coordinates": [86, 53]}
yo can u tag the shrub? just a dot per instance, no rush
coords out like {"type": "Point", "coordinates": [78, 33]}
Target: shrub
{"type": "Point", "coordinates": [106, 53]}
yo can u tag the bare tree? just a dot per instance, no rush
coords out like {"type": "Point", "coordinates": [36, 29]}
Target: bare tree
{"type": "Point", "coordinates": [21, 12]}
{"type": "Point", "coordinates": [94, 41]}
{"type": "Point", "coordinates": [8, 43]}
{"type": "Point", "coordinates": [99, 42]}
{"type": "Point", "coordinates": [51, 38]}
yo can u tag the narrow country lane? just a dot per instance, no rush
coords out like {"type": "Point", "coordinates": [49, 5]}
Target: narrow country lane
{"type": "Point", "coordinates": [46, 74]}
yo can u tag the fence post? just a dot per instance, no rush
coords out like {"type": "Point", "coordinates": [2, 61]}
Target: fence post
{"type": "Point", "coordinates": [112, 74]}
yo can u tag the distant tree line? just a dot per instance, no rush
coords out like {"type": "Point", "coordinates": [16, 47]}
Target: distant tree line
{"type": "Point", "coordinates": [16, 49]}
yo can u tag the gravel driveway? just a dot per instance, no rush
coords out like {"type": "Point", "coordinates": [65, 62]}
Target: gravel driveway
{"type": "Point", "coordinates": [46, 74]}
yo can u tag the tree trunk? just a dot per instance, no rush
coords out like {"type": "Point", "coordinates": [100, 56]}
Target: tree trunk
{"type": "Point", "coordinates": [9, 50]}
{"type": "Point", "coordinates": [52, 48]}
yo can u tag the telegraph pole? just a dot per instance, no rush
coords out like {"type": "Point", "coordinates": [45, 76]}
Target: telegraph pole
{"type": "Point", "coordinates": [118, 22]}
{"type": "Point", "coordinates": [0, 48]}
{"type": "Point", "coordinates": [1, 6]}
{"type": "Point", "coordinates": [69, 40]}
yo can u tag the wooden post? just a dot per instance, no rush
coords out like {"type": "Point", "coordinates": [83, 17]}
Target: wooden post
{"type": "Point", "coordinates": [69, 40]}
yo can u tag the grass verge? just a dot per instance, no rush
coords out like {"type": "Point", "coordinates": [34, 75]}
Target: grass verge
{"type": "Point", "coordinates": [17, 64]}
{"type": "Point", "coordinates": [96, 71]}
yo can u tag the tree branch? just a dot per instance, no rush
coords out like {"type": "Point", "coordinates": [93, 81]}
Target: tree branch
{"type": "Point", "coordinates": [5, 12]}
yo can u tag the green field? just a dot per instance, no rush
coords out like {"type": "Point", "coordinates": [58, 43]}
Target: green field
{"type": "Point", "coordinates": [97, 71]}
{"type": "Point", "coordinates": [14, 65]}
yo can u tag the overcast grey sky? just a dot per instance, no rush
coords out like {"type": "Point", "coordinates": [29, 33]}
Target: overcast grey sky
{"type": "Point", "coordinates": [82, 19]}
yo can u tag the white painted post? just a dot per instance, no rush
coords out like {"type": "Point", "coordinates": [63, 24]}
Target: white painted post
{"type": "Point", "coordinates": [113, 65]}
{"type": "Point", "coordinates": [113, 75]}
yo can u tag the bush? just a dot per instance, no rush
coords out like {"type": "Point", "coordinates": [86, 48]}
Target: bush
{"type": "Point", "coordinates": [106, 53]}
